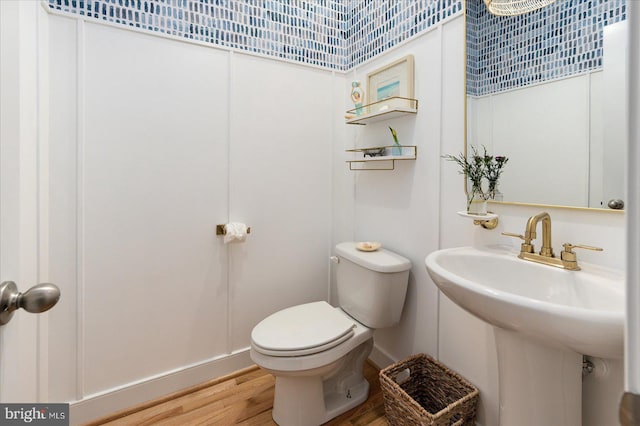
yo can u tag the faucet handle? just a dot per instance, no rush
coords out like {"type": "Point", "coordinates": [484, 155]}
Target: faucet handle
{"type": "Point", "coordinates": [568, 254]}
{"type": "Point", "coordinates": [511, 234]}
{"type": "Point", "coordinates": [525, 247]}
{"type": "Point", "coordinates": [568, 247]}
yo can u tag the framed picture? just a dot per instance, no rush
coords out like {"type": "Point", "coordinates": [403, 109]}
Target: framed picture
{"type": "Point", "coordinates": [395, 79]}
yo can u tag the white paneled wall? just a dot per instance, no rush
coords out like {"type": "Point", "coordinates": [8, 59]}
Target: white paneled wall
{"type": "Point", "coordinates": [63, 210]}
{"type": "Point", "coordinates": [153, 184]}
{"type": "Point", "coordinates": [400, 208]}
{"type": "Point", "coordinates": [152, 143]}
{"type": "Point", "coordinates": [280, 184]}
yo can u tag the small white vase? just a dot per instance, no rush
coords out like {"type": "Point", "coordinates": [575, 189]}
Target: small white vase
{"type": "Point", "coordinates": [477, 206]}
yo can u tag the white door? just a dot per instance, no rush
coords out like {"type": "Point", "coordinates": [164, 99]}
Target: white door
{"type": "Point", "coordinates": [20, 348]}
{"type": "Point", "coordinates": [630, 408]}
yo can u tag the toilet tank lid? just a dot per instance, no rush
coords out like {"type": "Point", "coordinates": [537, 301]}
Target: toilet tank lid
{"type": "Point", "coordinates": [381, 260]}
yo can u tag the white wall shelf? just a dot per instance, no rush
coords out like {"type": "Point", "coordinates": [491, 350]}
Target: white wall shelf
{"type": "Point", "coordinates": [383, 162]}
{"type": "Point", "coordinates": [487, 221]}
{"type": "Point", "coordinates": [385, 109]}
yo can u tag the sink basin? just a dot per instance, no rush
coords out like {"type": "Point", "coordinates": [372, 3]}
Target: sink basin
{"type": "Point", "coordinates": [582, 310]}
{"type": "Point", "coordinates": [545, 319]}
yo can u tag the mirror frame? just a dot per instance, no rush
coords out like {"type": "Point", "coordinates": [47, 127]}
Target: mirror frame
{"type": "Point", "coordinates": [512, 203]}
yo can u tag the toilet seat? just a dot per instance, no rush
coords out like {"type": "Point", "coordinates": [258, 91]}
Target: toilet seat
{"type": "Point", "coordinates": [302, 330]}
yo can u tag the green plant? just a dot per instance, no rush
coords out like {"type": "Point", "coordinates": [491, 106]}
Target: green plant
{"type": "Point", "coordinates": [477, 168]}
{"type": "Point", "coordinates": [493, 171]}
{"type": "Point", "coordinates": [395, 135]}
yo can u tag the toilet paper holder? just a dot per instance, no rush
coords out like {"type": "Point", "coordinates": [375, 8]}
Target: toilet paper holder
{"type": "Point", "coordinates": [220, 230]}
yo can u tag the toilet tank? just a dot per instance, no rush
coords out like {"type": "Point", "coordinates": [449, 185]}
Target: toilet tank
{"type": "Point", "coordinates": [371, 285]}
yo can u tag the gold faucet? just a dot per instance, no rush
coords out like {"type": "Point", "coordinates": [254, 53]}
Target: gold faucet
{"type": "Point", "coordinates": [530, 232]}
{"type": "Point", "coordinates": [567, 258]}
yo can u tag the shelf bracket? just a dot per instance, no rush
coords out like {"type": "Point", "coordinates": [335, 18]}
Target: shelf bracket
{"type": "Point", "coordinates": [487, 224]}
{"type": "Point", "coordinates": [489, 221]}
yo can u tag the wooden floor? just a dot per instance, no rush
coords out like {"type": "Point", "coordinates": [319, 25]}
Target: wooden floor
{"type": "Point", "coordinates": [242, 398]}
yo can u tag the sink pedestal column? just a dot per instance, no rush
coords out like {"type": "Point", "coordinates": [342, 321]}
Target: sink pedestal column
{"type": "Point", "coordinates": [539, 384]}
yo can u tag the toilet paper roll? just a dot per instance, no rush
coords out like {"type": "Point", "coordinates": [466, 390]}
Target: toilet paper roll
{"type": "Point", "coordinates": [235, 232]}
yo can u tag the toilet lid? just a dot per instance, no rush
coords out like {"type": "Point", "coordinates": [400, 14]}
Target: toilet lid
{"type": "Point", "coordinates": [302, 330]}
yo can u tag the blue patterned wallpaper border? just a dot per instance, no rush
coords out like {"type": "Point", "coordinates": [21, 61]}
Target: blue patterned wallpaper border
{"type": "Point", "coordinates": [303, 31]}
{"type": "Point", "coordinates": [562, 39]}
{"type": "Point", "coordinates": [375, 26]}
{"type": "Point", "coordinates": [334, 34]}
{"type": "Point", "coordinates": [557, 41]}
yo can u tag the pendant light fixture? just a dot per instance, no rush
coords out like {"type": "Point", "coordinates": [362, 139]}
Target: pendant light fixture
{"type": "Point", "coordinates": [515, 7]}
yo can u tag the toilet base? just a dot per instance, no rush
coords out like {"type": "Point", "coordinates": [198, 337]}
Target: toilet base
{"type": "Point", "coordinates": [311, 400]}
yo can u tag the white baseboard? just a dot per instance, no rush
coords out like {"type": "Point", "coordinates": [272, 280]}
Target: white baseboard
{"type": "Point", "coordinates": [95, 406]}
{"type": "Point", "coordinates": [380, 358]}
{"type": "Point", "coordinates": [100, 405]}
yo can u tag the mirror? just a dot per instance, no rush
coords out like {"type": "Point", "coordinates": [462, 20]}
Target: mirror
{"type": "Point", "coordinates": [547, 90]}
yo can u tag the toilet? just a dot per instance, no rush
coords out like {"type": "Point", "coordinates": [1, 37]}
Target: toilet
{"type": "Point", "coordinates": [317, 352]}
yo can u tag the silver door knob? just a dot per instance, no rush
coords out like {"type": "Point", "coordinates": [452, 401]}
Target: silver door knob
{"type": "Point", "coordinates": [39, 298]}
{"type": "Point", "coordinates": [616, 204]}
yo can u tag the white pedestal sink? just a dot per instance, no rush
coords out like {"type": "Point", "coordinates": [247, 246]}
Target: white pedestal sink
{"type": "Point", "coordinates": [545, 319]}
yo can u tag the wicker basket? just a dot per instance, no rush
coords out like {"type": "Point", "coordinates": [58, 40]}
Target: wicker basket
{"type": "Point", "coordinates": [430, 395]}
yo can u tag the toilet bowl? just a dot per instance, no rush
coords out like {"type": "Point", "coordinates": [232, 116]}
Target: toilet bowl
{"type": "Point", "coordinates": [316, 379]}
{"type": "Point", "coordinates": [317, 352]}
